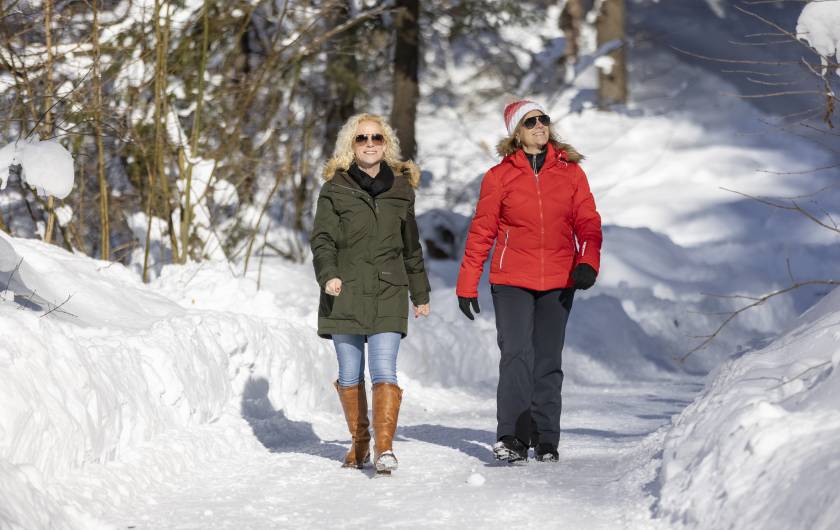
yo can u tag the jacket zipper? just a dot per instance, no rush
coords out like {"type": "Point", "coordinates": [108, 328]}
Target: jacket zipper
{"type": "Point", "coordinates": [345, 187]}
{"type": "Point", "coordinates": [542, 227]}
{"type": "Point", "coordinates": [373, 206]}
{"type": "Point", "coordinates": [502, 259]}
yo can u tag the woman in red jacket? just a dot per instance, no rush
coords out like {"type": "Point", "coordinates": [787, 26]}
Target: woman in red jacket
{"type": "Point", "coordinates": [537, 207]}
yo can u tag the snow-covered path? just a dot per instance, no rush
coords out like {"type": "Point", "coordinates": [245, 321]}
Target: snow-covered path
{"type": "Point", "coordinates": [604, 479]}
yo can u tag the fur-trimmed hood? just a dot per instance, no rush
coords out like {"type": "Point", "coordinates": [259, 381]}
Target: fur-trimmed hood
{"type": "Point", "coordinates": [508, 147]}
{"type": "Point", "coordinates": [407, 169]}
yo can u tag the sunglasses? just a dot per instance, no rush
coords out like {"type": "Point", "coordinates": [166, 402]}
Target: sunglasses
{"type": "Point", "coordinates": [530, 123]}
{"type": "Point", "coordinates": [375, 139]}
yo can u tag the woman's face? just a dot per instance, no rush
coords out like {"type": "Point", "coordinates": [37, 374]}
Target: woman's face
{"type": "Point", "coordinates": [368, 144]}
{"type": "Point", "coordinates": [536, 138]}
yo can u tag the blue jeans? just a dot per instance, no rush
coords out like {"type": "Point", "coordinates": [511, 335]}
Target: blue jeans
{"type": "Point", "coordinates": [382, 357]}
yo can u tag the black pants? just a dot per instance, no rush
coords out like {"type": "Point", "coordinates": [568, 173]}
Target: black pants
{"type": "Point", "coordinates": [531, 327]}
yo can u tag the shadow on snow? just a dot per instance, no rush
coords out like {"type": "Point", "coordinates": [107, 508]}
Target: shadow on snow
{"type": "Point", "coordinates": [277, 432]}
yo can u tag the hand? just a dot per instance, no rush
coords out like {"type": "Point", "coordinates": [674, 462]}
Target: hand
{"type": "Point", "coordinates": [584, 276]}
{"type": "Point", "coordinates": [333, 287]}
{"type": "Point", "coordinates": [422, 310]}
{"type": "Point", "coordinates": [465, 303]}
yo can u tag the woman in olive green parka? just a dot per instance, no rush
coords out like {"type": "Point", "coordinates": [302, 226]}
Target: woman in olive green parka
{"type": "Point", "coordinates": [368, 262]}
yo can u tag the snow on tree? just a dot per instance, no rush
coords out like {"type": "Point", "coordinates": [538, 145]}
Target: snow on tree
{"type": "Point", "coordinates": [46, 166]}
{"type": "Point", "coordinates": [819, 26]}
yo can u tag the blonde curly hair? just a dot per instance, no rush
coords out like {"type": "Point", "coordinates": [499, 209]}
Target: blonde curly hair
{"type": "Point", "coordinates": [343, 155]}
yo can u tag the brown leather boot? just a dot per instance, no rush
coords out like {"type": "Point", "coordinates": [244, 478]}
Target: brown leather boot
{"type": "Point", "coordinates": [386, 409]}
{"type": "Point", "coordinates": [354, 402]}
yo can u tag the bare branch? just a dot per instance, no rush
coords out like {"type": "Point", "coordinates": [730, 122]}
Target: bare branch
{"type": "Point", "coordinates": [789, 270]}
{"type": "Point", "coordinates": [28, 298]}
{"type": "Point", "coordinates": [59, 306]}
{"type": "Point", "coordinates": [751, 35]}
{"type": "Point", "coordinates": [12, 275]}
{"type": "Point", "coordinates": [733, 61]}
{"type": "Point", "coordinates": [821, 131]}
{"type": "Point", "coordinates": [739, 43]}
{"type": "Point", "coordinates": [830, 218]}
{"type": "Point", "coordinates": [760, 300]}
{"type": "Point", "coordinates": [793, 207]}
{"type": "Point", "coordinates": [58, 101]}
{"type": "Point", "coordinates": [800, 374]}
{"type": "Point", "coordinates": [774, 94]}
{"type": "Point", "coordinates": [803, 172]}
{"type": "Point", "coordinates": [753, 72]}
{"type": "Point", "coordinates": [771, 83]}
{"type": "Point", "coordinates": [774, 26]}
{"type": "Point", "coordinates": [730, 296]}
{"type": "Point", "coordinates": [811, 110]}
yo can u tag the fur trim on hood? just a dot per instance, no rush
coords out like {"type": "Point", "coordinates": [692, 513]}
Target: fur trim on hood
{"type": "Point", "coordinates": [408, 169]}
{"type": "Point", "coordinates": [508, 146]}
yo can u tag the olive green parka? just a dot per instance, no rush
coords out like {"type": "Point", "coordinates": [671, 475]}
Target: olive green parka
{"type": "Point", "coordinates": [373, 246]}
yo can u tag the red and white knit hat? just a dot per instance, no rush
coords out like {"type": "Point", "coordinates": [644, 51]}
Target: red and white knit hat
{"type": "Point", "coordinates": [517, 110]}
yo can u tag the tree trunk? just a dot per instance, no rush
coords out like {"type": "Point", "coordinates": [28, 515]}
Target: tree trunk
{"type": "Point", "coordinates": [159, 166]}
{"type": "Point", "coordinates": [342, 76]}
{"type": "Point", "coordinates": [81, 228]}
{"type": "Point", "coordinates": [104, 220]}
{"type": "Point", "coordinates": [160, 149]}
{"type": "Point", "coordinates": [47, 126]}
{"type": "Point", "coordinates": [571, 19]}
{"type": "Point", "coordinates": [186, 216]}
{"type": "Point", "coordinates": [406, 62]}
{"type": "Point", "coordinates": [612, 83]}
{"type": "Point", "coordinates": [156, 169]}
{"type": "Point", "coordinates": [302, 190]}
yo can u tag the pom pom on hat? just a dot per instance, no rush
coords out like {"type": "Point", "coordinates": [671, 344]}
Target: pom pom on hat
{"type": "Point", "coordinates": [517, 110]}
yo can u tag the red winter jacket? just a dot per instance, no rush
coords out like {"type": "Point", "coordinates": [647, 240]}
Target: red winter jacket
{"type": "Point", "coordinates": [535, 221]}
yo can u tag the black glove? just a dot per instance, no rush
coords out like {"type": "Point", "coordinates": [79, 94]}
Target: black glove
{"type": "Point", "coordinates": [465, 303]}
{"type": "Point", "coordinates": [584, 276]}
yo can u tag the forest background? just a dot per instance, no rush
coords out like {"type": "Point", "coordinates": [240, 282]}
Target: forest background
{"type": "Point", "coordinates": [199, 127]}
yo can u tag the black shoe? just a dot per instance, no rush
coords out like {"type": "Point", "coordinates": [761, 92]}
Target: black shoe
{"type": "Point", "coordinates": [510, 449]}
{"type": "Point", "coordinates": [546, 453]}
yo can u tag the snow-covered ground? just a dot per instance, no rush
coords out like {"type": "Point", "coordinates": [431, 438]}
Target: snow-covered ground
{"type": "Point", "coordinates": [759, 448]}
{"type": "Point", "coordinates": [205, 401]}
{"type": "Point", "coordinates": [449, 478]}
{"type": "Point", "coordinates": [211, 406]}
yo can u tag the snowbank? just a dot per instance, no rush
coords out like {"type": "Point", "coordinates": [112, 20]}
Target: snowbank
{"type": "Point", "coordinates": [759, 448]}
{"type": "Point", "coordinates": [95, 379]}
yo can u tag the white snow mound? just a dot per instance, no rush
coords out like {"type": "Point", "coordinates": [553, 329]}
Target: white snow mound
{"type": "Point", "coordinates": [819, 26]}
{"type": "Point", "coordinates": [47, 166]}
{"type": "Point", "coordinates": [121, 374]}
{"type": "Point", "coordinates": [759, 448]}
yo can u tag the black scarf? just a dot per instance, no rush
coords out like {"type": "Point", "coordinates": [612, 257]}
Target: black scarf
{"type": "Point", "coordinates": [373, 185]}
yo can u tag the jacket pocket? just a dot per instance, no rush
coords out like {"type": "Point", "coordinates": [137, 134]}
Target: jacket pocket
{"type": "Point", "coordinates": [394, 276]}
{"type": "Point", "coordinates": [340, 307]}
{"type": "Point", "coordinates": [392, 299]}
